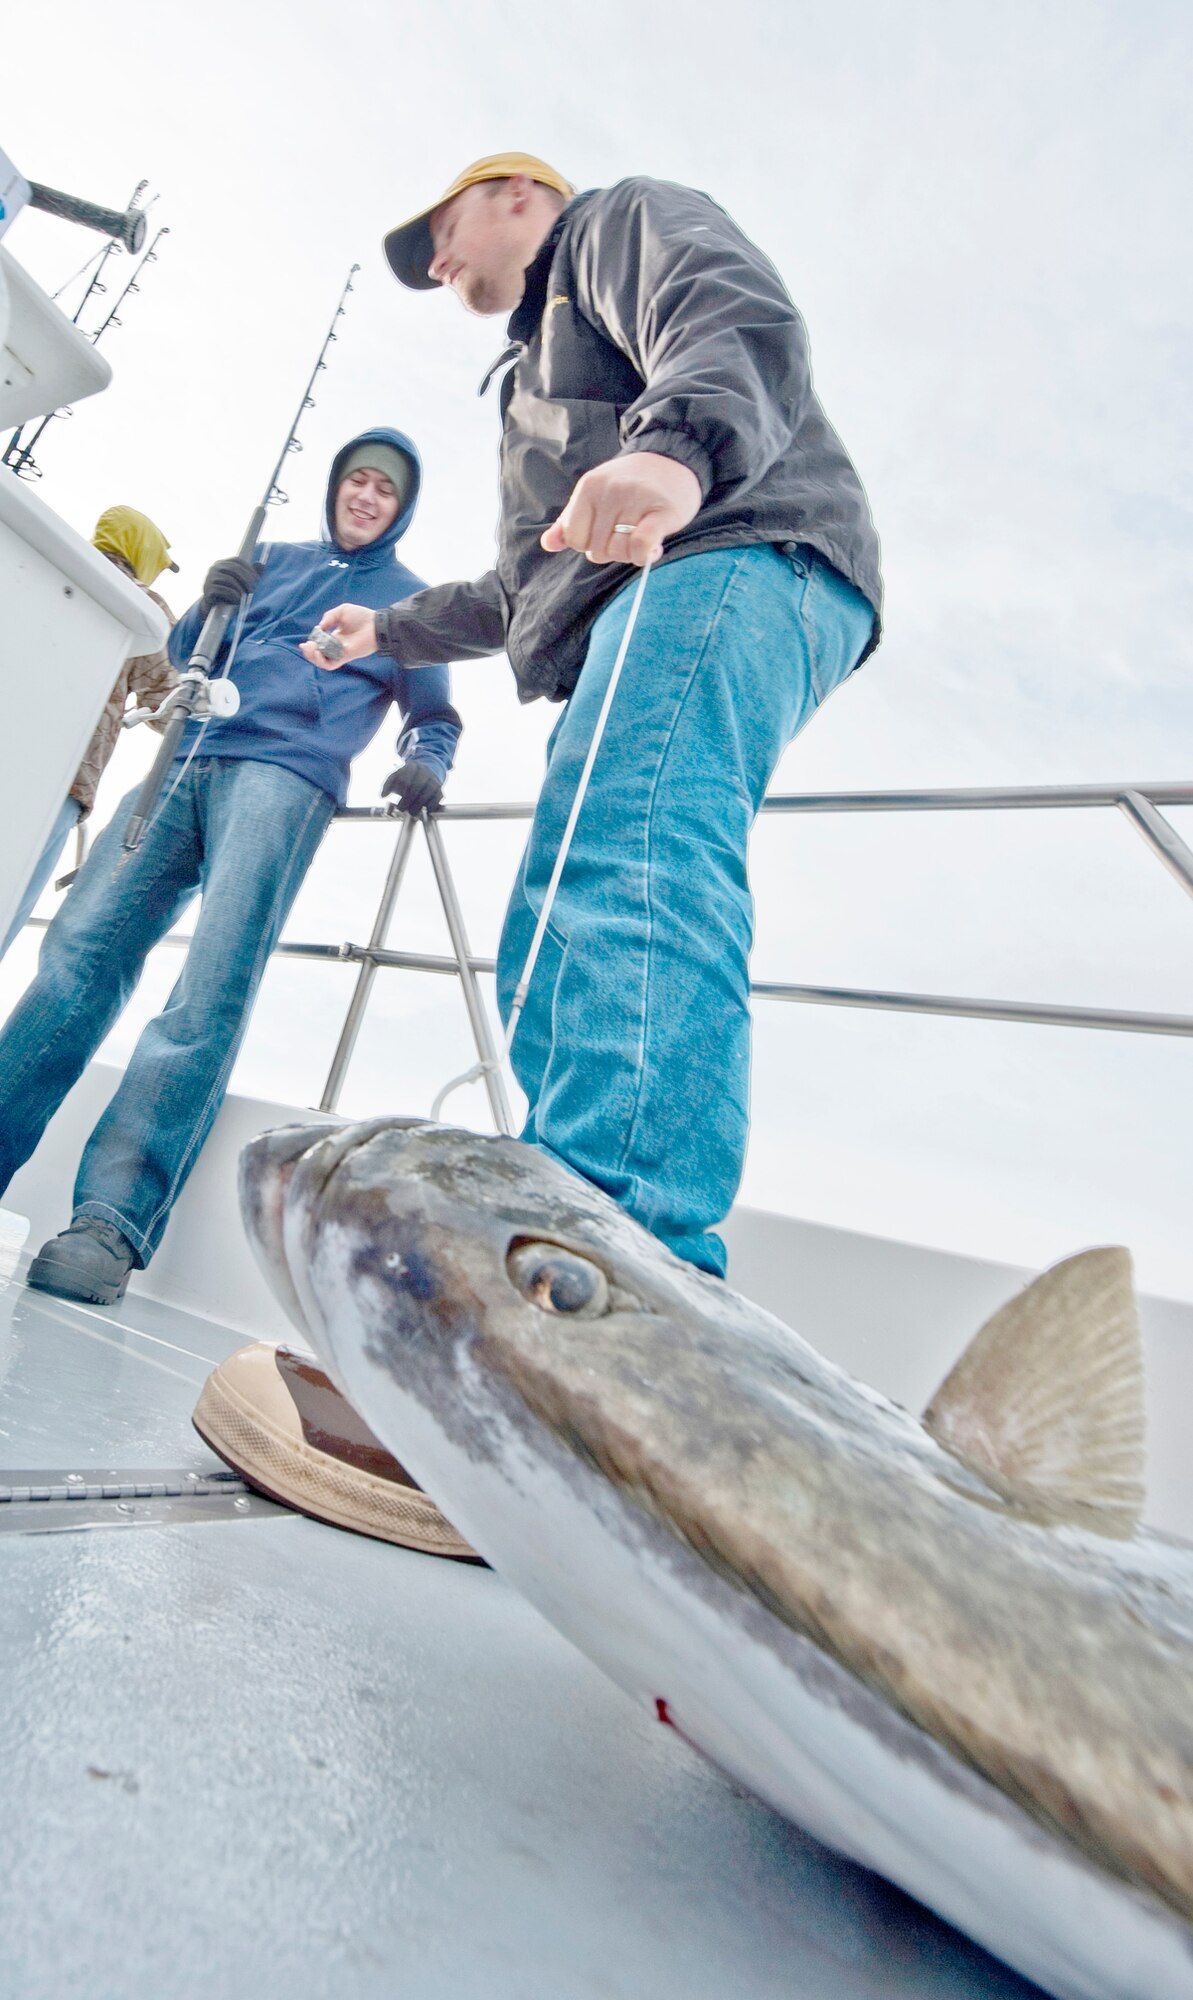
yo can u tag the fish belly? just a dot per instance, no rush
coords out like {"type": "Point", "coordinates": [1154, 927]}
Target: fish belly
{"type": "Point", "coordinates": [767, 1706]}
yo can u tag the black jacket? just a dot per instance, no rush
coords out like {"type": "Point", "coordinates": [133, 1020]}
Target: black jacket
{"type": "Point", "coordinates": [649, 323]}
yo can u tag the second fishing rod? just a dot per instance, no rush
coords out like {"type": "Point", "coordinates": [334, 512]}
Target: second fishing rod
{"type": "Point", "coordinates": [196, 695]}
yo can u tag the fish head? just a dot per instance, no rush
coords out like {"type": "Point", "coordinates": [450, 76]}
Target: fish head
{"type": "Point", "coordinates": [437, 1263]}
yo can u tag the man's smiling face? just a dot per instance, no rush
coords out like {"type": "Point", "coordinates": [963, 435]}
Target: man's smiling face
{"type": "Point", "coordinates": [366, 505]}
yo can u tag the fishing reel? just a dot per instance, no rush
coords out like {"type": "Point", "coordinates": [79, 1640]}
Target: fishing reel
{"type": "Point", "coordinates": [205, 700]}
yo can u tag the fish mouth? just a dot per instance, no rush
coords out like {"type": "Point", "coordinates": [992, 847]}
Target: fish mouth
{"type": "Point", "coordinates": [266, 1170]}
{"type": "Point", "coordinates": [269, 1165]}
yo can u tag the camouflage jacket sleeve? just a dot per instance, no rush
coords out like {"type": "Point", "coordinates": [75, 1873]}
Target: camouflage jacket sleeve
{"type": "Point", "coordinates": [150, 675]}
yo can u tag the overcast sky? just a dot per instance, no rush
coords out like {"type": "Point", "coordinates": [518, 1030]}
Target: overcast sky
{"type": "Point", "coordinates": [983, 213]}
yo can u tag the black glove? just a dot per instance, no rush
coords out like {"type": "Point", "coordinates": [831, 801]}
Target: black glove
{"type": "Point", "coordinates": [228, 581]}
{"type": "Point", "coordinates": [415, 787]}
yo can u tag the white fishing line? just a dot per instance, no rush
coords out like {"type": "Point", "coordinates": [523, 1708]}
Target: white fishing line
{"type": "Point", "coordinates": [480, 1069]}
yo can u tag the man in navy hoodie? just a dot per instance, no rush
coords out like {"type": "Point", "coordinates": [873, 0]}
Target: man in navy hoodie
{"type": "Point", "coordinates": [240, 819]}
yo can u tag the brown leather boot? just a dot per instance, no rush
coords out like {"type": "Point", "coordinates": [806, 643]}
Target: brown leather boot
{"type": "Point", "coordinates": [277, 1420]}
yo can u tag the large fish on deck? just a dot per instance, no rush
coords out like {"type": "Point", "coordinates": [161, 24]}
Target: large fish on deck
{"type": "Point", "coordinates": [945, 1647]}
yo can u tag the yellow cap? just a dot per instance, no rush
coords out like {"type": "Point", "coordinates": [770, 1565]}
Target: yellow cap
{"type": "Point", "coordinates": [122, 531]}
{"type": "Point", "coordinates": [409, 247]}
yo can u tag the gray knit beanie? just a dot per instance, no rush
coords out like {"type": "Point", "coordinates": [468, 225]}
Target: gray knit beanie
{"type": "Point", "coordinates": [384, 458]}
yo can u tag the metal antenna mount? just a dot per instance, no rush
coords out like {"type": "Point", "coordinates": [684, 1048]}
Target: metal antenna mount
{"type": "Point", "coordinates": [128, 227]}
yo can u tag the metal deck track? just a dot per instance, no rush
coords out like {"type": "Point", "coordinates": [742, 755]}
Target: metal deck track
{"type": "Point", "coordinates": [57, 1502]}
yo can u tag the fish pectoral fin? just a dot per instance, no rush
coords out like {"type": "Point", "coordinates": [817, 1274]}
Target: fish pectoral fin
{"type": "Point", "coordinates": [1046, 1403]}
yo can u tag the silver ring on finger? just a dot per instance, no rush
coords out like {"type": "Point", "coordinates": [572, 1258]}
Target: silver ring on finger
{"type": "Point", "coordinates": [624, 527]}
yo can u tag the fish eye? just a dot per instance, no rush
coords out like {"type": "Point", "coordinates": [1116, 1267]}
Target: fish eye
{"type": "Point", "coordinates": [558, 1280]}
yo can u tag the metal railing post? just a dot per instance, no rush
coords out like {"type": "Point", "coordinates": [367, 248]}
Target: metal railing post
{"type": "Point", "coordinates": [1164, 840]}
{"type": "Point", "coordinates": [368, 970]}
{"type": "Point", "coordinates": [482, 1035]}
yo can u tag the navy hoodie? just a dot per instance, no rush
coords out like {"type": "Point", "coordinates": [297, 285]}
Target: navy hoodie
{"type": "Point", "coordinates": [311, 721]}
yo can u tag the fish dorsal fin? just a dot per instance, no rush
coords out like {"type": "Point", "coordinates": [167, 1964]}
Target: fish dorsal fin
{"type": "Point", "coordinates": [1046, 1403]}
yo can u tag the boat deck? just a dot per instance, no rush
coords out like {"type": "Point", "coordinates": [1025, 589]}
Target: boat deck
{"type": "Point", "coordinates": [249, 1755]}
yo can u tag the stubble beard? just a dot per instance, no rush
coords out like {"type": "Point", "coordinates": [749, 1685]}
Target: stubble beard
{"type": "Point", "coordinates": [486, 296]}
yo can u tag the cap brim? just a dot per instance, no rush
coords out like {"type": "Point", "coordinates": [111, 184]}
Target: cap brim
{"type": "Point", "coordinates": [409, 250]}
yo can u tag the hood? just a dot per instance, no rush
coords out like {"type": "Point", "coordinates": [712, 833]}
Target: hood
{"type": "Point", "coordinates": [138, 541]}
{"type": "Point", "coordinates": [384, 544]}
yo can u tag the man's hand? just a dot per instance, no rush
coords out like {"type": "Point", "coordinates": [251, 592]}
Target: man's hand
{"type": "Point", "coordinates": [356, 630]}
{"type": "Point", "coordinates": [415, 787]}
{"type": "Point", "coordinates": [623, 510]}
{"type": "Point", "coordinates": [228, 581]}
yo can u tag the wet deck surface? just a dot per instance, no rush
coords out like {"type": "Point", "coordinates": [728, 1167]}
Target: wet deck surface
{"type": "Point", "coordinates": [256, 1757]}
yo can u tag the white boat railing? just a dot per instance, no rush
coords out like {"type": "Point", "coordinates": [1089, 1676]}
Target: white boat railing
{"type": "Point", "coordinates": [1139, 803]}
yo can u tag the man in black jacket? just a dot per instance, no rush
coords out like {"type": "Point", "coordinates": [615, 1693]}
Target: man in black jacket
{"type": "Point", "coordinates": [657, 407]}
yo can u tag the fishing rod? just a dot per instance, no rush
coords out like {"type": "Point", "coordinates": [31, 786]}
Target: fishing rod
{"type": "Point", "coordinates": [150, 257]}
{"type": "Point", "coordinates": [98, 259]}
{"type": "Point", "coordinates": [111, 248]}
{"type": "Point", "coordinates": [23, 464]}
{"type": "Point", "coordinates": [195, 698]}
{"type": "Point", "coordinates": [18, 457]}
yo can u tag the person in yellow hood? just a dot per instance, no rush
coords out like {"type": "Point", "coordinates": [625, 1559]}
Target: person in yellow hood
{"type": "Point", "coordinates": [135, 542]}
{"type": "Point", "coordinates": [138, 547]}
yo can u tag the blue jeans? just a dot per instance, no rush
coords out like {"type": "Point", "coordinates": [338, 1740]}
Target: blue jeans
{"type": "Point", "coordinates": [244, 834]}
{"type": "Point", "coordinates": [69, 814]}
{"type": "Point", "coordinates": [634, 1046]}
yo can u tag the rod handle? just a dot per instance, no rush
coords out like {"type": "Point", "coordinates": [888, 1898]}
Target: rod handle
{"type": "Point", "coordinates": [151, 789]}
{"type": "Point", "coordinates": [202, 658]}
